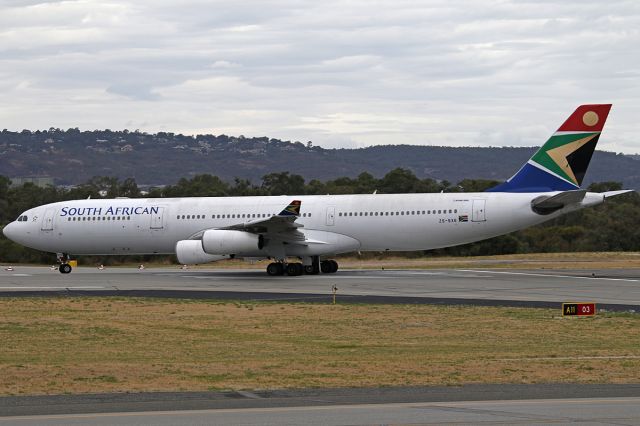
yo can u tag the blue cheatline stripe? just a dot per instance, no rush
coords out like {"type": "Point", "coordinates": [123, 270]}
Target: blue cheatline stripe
{"type": "Point", "coordinates": [533, 179]}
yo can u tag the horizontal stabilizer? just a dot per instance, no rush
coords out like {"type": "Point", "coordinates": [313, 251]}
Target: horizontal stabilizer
{"type": "Point", "coordinates": [549, 204]}
{"type": "Point", "coordinates": [609, 194]}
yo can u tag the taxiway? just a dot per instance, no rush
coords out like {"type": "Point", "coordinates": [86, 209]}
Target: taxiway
{"type": "Point", "coordinates": [617, 289]}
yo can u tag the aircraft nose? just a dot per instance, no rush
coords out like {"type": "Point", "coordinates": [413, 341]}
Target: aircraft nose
{"type": "Point", "coordinates": [9, 231]}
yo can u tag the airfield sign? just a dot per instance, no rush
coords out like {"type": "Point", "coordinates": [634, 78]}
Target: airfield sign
{"type": "Point", "coordinates": [579, 309]}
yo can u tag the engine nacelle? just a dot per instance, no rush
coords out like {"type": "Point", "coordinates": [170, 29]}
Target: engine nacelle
{"type": "Point", "coordinates": [220, 241]}
{"type": "Point", "coordinates": [190, 252]}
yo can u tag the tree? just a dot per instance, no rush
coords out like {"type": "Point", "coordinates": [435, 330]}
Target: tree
{"type": "Point", "coordinates": [283, 183]}
{"type": "Point", "coordinates": [399, 181]}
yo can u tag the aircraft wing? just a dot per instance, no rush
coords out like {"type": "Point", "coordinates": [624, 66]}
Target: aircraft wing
{"type": "Point", "coordinates": [282, 226]}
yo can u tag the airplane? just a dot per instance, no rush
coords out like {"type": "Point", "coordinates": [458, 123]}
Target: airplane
{"type": "Point", "coordinates": [314, 228]}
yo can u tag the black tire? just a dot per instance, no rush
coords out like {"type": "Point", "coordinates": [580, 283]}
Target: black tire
{"type": "Point", "coordinates": [65, 268]}
{"type": "Point", "coordinates": [275, 269]}
{"type": "Point", "coordinates": [311, 270]}
{"type": "Point", "coordinates": [334, 266]}
{"type": "Point", "coordinates": [294, 269]}
{"type": "Point", "coordinates": [326, 266]}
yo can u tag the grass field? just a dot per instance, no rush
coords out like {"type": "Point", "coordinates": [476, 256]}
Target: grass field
{"type": "Point", "coordinates": [59, 345]}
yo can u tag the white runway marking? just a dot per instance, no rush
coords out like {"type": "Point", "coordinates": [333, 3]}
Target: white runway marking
{"type": "Point", "coordinates": [533, 274]}
{"type": "Point", "coordinates": [49, 288]}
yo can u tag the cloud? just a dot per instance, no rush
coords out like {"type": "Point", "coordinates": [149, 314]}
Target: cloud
{"type": "Point", "coordinates": [336, 73]}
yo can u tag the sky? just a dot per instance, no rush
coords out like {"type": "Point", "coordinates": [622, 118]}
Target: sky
{"type": "Point", "coordinates": [337, 73]}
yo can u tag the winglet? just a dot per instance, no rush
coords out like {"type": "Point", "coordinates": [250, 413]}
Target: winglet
{"type": "Point", "coordinates": [293, 209]}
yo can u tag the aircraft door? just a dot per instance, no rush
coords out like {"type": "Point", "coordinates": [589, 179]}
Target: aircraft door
{"type": "Point", "coordinates": [331, 215]}
{"type": "Point", "coordinates": [47, 220]}
{"type": "Point", "coordinates": [157, 219]}
{"type": "Point", "coordinates": [478, 211]}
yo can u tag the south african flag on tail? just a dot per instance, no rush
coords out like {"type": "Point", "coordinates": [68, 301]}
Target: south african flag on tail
{"type": "Point", "coordinates": [561, 163]}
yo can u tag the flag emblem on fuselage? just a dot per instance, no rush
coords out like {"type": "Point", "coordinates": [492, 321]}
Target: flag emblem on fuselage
{"type": "Point", "coordinates": [463, 218]}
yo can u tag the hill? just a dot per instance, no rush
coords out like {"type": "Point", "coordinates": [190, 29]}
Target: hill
{"type": "Point", "coordinates": [73, 156]}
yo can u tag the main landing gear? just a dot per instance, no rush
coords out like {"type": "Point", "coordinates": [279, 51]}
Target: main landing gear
{"type": "Point", "coordinates": [64, 267]}
{"type": "Point", "coordinates": [295, 268]}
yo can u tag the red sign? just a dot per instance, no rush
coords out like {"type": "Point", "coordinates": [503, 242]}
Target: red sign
{"type": "Point", "coordinates": [578, 309]}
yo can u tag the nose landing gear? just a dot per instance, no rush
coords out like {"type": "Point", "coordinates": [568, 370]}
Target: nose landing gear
{"type": "Point", "coordinates": [64, 267]}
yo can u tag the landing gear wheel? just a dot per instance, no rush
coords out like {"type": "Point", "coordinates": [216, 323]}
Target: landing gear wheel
{"type": "Point", "coordinates": [311, 269]}
{"type": "Point", "coordinates": [294, 269]}
{"type": "Point", "coordinates": [65, 268]}
{"type": "Point", "coordinates": [329, 266]}
{"type": "Point", "coordinates": [275, 269]}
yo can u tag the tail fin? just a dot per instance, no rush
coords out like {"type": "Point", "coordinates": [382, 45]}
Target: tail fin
{"type": "Point", "coordinates": [561, 163]}
{"type": "Point", "coordinates": [292, 209]}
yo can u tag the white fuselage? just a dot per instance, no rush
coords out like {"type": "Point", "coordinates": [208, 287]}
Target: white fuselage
{"type": "Point", "coordinates": [376, 222]}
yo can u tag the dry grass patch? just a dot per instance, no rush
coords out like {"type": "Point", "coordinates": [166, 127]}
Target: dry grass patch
{"type": "Point", "coordinates": [115, 344]}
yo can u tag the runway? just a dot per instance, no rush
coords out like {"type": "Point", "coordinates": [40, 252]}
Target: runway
{"type": "Point", "coordinates": [505, 404]}
{"type": "Point", "coordinates": [614, 289]}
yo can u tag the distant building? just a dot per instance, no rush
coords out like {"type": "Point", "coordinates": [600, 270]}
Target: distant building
{"type": "Point", "coordinates": [41, 181]}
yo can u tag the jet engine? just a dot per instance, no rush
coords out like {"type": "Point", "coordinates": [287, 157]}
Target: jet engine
{"type": "Point", "coordinates": [221, 241]}
{"type": "Point", "coordinates": [190, 252]}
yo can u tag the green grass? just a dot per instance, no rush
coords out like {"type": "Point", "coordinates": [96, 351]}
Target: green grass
{"type": "Point", "coordinates": [62, 345]}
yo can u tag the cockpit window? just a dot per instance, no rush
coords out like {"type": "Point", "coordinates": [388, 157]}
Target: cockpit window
{"type": "Point", "coordinates": [22, 219]}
